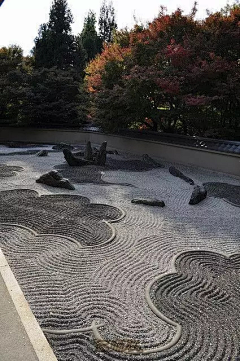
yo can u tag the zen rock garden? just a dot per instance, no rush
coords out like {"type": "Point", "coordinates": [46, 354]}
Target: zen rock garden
{"type": "Point", "coordinates": [123, 256]}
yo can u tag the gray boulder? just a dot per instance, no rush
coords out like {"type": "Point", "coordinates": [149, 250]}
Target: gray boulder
{"type": "Point", "coordinates": [199, 194]}
{"type": "Point", "coordinates": [55, 179]}
{"type": "Point", "coordinates": [149, 202]}
{"type": "Point", "coordinates": [176, 173]}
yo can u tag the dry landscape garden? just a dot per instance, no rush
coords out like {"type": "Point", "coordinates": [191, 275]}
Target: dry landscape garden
{"type": "Point", "coordinates": [125, 256]}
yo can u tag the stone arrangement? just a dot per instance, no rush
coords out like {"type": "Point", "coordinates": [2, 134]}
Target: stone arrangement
{"type": "Point", "coordinates": [98, 157]}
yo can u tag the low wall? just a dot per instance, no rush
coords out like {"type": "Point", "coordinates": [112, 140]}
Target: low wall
{"type": "Point", "coordinates": [218, 161]}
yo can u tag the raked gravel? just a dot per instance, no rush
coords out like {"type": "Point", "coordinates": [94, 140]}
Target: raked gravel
{"type": "Point", "coordinates": [70, 287]}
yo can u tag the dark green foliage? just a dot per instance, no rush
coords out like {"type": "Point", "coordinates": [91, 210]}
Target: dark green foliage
{"type": "Point", "coordinates": [107, 23]}
{"type": "Point", "coordinates": [90, 40]}
{"type": "Point", "coordinates": [11, 83]}
{"type": "Point", "coordinates": [53, 97]}
{"type": "Point", "coordinates": [55, 45]}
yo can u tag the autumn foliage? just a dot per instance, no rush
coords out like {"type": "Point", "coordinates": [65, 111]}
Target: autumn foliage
{"type": "Point", "coordinates": [176, 75]}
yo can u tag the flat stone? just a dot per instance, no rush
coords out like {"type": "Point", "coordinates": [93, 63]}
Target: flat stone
{"type": "Point", "coordinates": [176, 173]}
{"type": "Point", "coordinates": [54, 179]}
{"type": "Point", "coordinates": [199, 194]}
{"type": "Point", "coordinates": [149, 202]}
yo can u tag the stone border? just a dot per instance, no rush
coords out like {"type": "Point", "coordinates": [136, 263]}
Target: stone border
{"type": "Point", "coordinates": [38, 340]}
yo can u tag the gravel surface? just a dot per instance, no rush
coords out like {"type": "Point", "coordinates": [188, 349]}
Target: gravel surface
{"type": "Point", "coordinates": [8, 170]}
{"type": "Point", "coordinates": [189, 255]}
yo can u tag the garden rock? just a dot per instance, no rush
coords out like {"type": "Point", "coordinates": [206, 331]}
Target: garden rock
{"type": "Point", "coordinates": [102, 155]}
{"type": "Point", "coordinates": [176, 173]}
{"type": "Point", "coordinates": [199, 194]}
{"type": "Point", "coordinates": [149, 202]}
{"type": "Point", "coordinates": [55, 179]}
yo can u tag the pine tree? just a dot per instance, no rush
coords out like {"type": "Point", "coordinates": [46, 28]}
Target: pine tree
{"type": "Point", "coordinates": [89, 37]}
{"type": "Point", "coordinates": [55, 44]}
{"type": "Point", "coordinates": [107, 24]}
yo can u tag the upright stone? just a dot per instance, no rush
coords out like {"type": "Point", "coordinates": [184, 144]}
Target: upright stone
{"type": "Point", "coordinates": [88, 153]}
{"type": "Point", "coordinates": [102, 154]}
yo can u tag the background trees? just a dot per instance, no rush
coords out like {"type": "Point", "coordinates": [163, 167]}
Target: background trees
{"type": "Point", "coordinates": [89, 38]}
{"type": "Point", "coordinates": [55, 44]}
{"type": "Point", "coordinates": [175, 75]}
{"type": "Point", "coordinates": [12, 69]}
{"type": "Point", "coordinates": [107, 23]}
{"type": "Point", "coordinates": [55, 92]}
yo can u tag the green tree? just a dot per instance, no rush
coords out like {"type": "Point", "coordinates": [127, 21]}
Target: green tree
{"type": "Point", "coordinates": [107, 22]}
{"type": "Point", "coordinates": [54, 98]}
{"type": "Point", "coordinates": [11, 83]}
{"type": "Point", "coordinates": [55, 44]}
{"type": "Point", "coordinates": [90, 40]}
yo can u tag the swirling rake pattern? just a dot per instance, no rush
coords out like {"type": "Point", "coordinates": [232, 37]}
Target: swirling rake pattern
{"type": "Point", "coordinates": [71, 287]}
{"type": "Point", "coordinates": [203, 296]}
{"type": "Point", "coordinates": [69, 216]}
{"type": "Point", "coordinates": [9, 170]}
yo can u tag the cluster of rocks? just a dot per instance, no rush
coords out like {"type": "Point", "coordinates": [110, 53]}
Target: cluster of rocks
{"type": "Point", "coordinates": [199, 192]}
{"type": "Point", "coordinates": [90, 157]}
